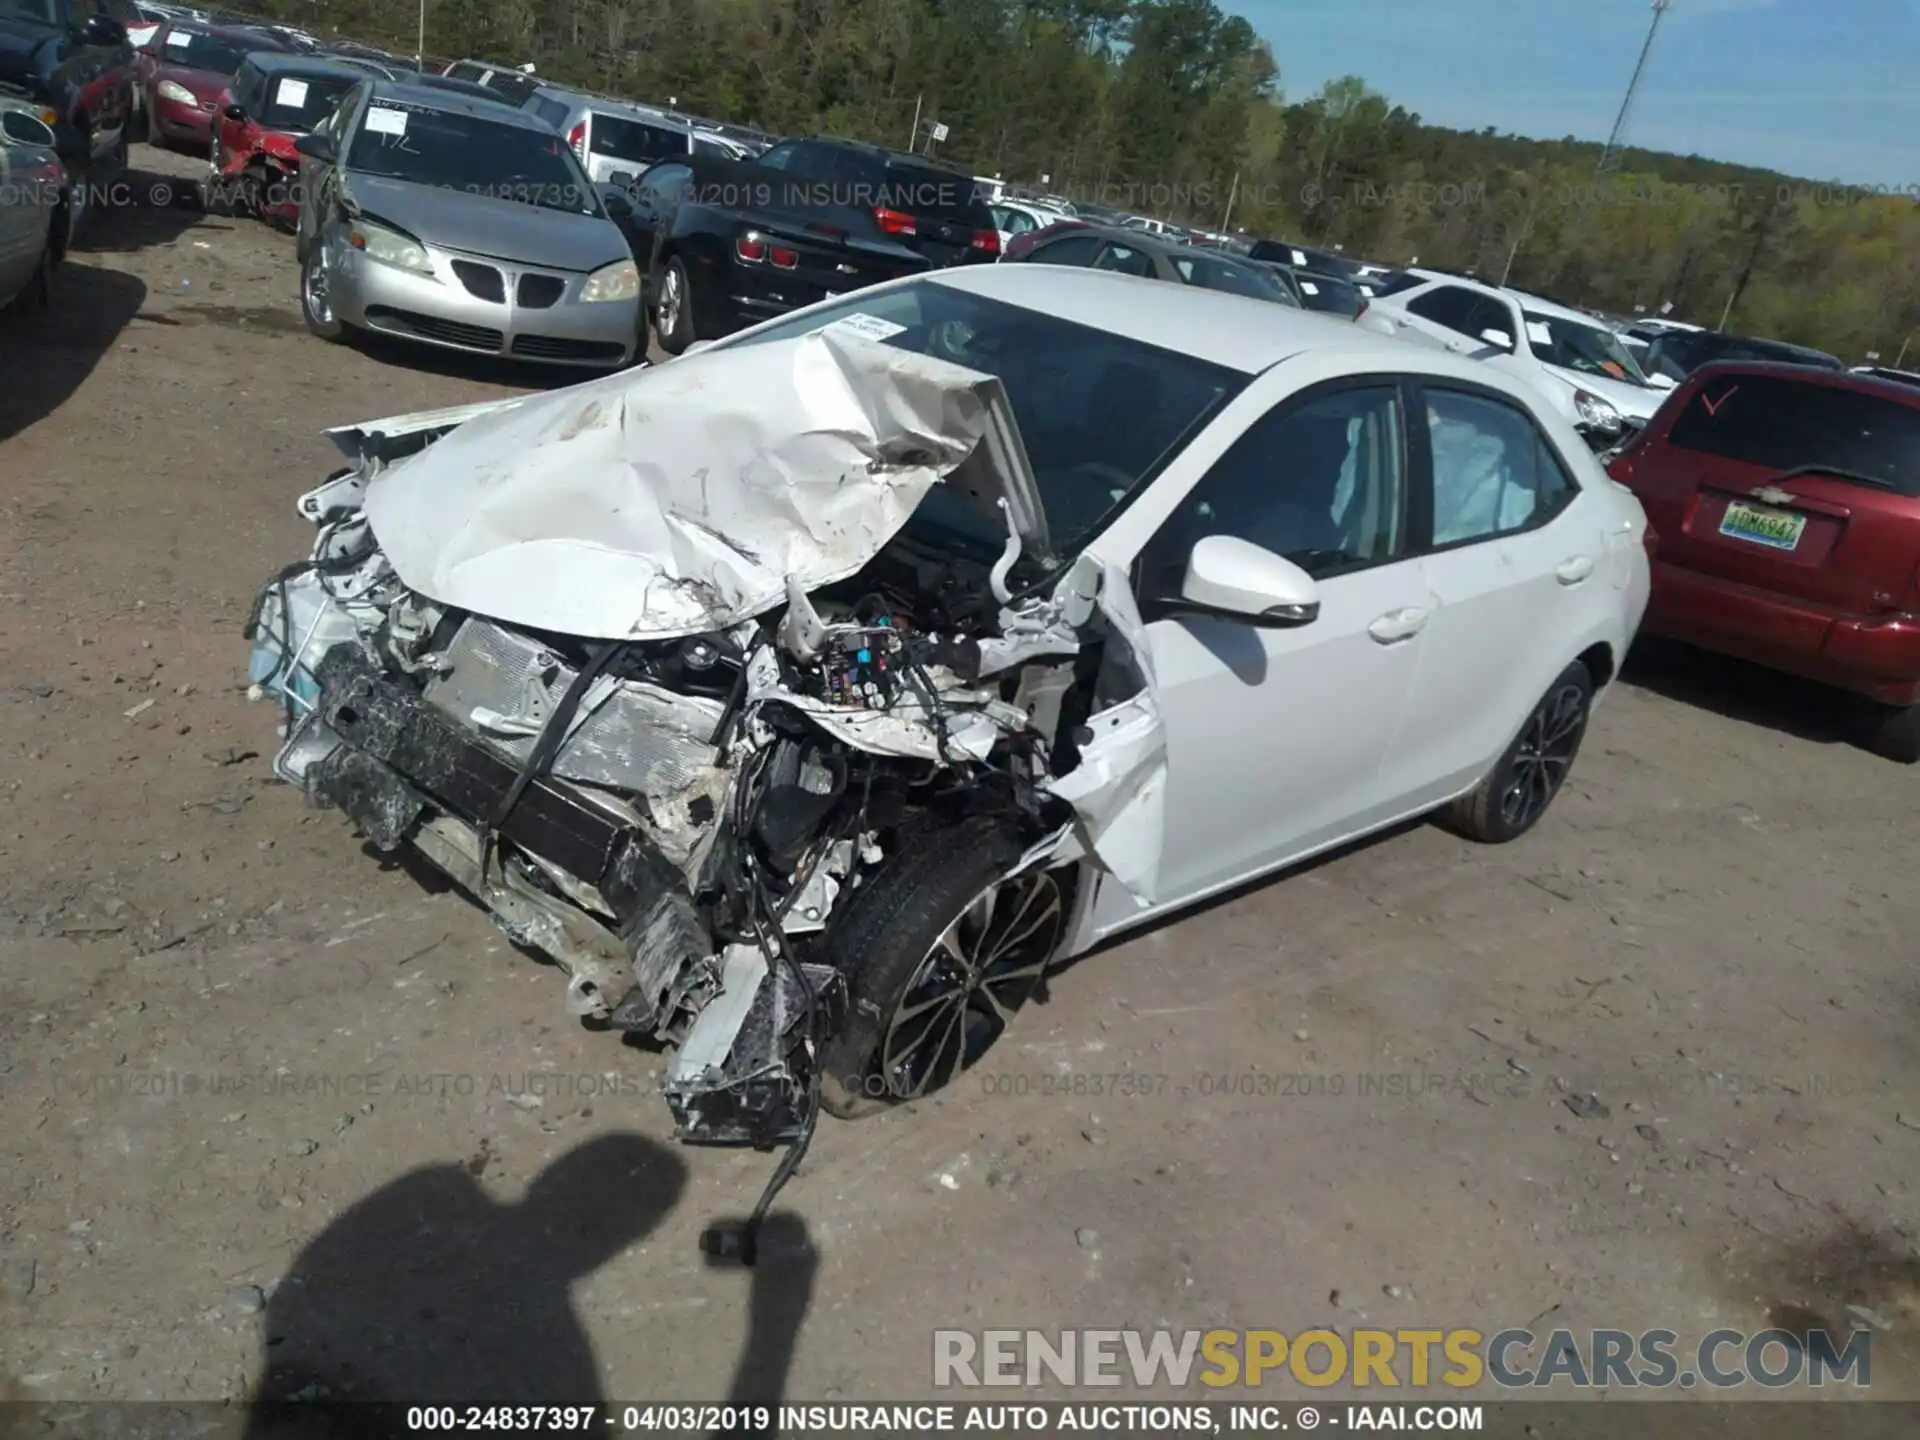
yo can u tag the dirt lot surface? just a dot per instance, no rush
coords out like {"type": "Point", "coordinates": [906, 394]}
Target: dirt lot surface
{"type": "Point", "coordinates": [1651, 1066]}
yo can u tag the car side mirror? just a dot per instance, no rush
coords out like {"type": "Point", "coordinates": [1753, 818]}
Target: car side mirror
{"type": "Point", "coordinates": [621, 179]}
{"type": "Point", "coordinates": [313, 146]}
{"type": "Point", "coordinates": [237, 114]}
{"type": "Point", "coordinates": [1499, 339]}
{"type": "Point", "coordinates": [1660, 381]}
{"type": "Point", "coordinates": [615, 199]}
{"type": "Point", "coordinates": [1236, 579]}
{"type": "Point", "coordinates": [24, 129]}
{"type": "Point", "coordinates": [103, 30]}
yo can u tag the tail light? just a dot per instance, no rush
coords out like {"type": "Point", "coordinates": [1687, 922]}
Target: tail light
{"type": "Point", "coordinates": [895, 222]}
{"type": "Point", "coordinates": [783, 258]}
{"type": "Point", "coordinates": [577, 138]}
{"type": "Point", "coordinates": [987, 242]}
{"type": "Point", "coordinates": [750, 248]}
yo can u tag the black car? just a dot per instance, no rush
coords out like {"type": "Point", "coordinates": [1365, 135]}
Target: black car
{"type": "Point", "coordinates": [513, 85]}
{"type": "Point", "coordinates": [724, 244]}
{"type": "Point", "coordinates": [1678, 353]}
{"type": "Point", "coordinates": [1331, 292]}
{"type": "Point", "coordinates": [1132, 253]}
{"type": "Point", "coordinates": [1297, 257]}
{"type": "Point", "coordinates": [938, 211]}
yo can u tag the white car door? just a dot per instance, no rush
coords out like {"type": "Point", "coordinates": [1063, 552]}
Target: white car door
{"type": "Point", "coordinates": [1276, 738]}
{"type": "Point", "coordinates": [1515, 571]}
{"type": "Point", "coordinates": [21, 215]}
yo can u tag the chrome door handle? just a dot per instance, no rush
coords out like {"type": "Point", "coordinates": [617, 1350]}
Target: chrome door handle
{"type": "Point", "coordinates": [1572, 572]}
{"type": "Point", "coordinates": [1398, 625]}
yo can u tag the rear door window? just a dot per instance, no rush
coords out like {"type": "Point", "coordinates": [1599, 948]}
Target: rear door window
{"type": "Point", "coordinates": [1448, 306]}
{"type": "Point", "coordinates": [1791, 425]}
{"type": "Point", "coordinates": [1125, 259]}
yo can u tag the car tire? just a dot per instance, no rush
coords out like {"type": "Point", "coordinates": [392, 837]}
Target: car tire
{"type": "Point", "coordinates": [1896, 736]}
{"type": "Point", "coordinates": [316, 307]}
{"type": "Point", "coordinates": [673, 309]}
{"type": "Point", "coordinates": [923, 944]}
{"type": "Point", "coordinates": [1515, 793]}
{"type": "Point", "coordinates": [40, 293]}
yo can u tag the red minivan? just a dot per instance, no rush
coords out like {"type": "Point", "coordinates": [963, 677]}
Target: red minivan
{"type": "Point", "coordinates": [1787, 502]}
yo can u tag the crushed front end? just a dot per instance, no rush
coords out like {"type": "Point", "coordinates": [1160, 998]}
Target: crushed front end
{"type": "Point", "coordinates": [679, 820]}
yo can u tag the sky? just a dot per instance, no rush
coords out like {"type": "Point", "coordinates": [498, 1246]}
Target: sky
{"type": "Point", "coordinates": [1819, 89]}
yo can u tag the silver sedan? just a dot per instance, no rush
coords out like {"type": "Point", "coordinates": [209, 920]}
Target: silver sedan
{"type": "Point", "coordinates": [32, 182]}
{"type": "Point", "coordinates": [458, 222]}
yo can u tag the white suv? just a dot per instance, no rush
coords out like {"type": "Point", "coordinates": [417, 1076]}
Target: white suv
{"type": "Point", "coordinates": [1579, 364]}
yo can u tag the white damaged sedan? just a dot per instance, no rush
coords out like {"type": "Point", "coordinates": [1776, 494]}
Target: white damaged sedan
{"type": "Point", "coordinates": [805, 697]}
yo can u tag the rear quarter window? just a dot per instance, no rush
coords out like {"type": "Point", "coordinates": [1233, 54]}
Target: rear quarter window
{"type": "Point", "coordinates": [1789, 425]}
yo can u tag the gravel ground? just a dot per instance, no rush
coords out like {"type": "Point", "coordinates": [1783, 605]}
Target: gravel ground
{"type": "Point", "coordinates": [1652, 1066]}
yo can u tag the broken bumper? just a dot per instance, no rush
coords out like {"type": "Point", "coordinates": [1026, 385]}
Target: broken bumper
{"type": "Point", "coordinates": [407, 775]}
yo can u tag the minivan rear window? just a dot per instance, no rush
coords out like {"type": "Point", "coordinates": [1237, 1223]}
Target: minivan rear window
{"type": "Point", "coordinates": [618, 138]}
{"type": "Point", "coordinates": [1790, 425]}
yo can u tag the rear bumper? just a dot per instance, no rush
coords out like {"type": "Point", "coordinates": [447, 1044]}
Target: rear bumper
{"type": "Point", "coordinates": [1877, 656]}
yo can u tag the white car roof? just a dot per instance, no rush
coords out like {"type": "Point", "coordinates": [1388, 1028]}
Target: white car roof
{"type": "Point", "coordinates": [1558, 312]}
{"type": "Point", "coordinates": [1236, 331]}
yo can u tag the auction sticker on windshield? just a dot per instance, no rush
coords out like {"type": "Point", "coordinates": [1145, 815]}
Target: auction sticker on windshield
{"type": "Point", "coordinates": [865, 327]}
{"type": "Point", "coordinates": [1776, 529]}
{"type": "Point", "coordinates": [180, 38]}
{"type": "Point", "coordinates": [1540, 334]}
{"type": "Point", "coordinates": [383, 120]}
{"type": "Point", "coordinates": [292, 93]}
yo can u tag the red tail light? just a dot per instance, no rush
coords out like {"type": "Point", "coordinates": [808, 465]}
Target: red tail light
{"type": "Point", "coordinates": [783, 258]}
{"type": "Point", "coordinates": [577, 138]}
{"type": "Point", "coordinates": [750, 248]}
{"type": "Point", "coordinates": [895, 222]}
{"type": "Point", "coordinates": [987, 241]}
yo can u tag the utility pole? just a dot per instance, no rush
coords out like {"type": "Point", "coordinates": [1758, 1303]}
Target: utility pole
{"type": "Point", "coordinates": [1610, 157]}
{"type": "Point", "coordinates": [1227, 219]}
{"type": "Point", "coordinates": [421, 58]}
{"type": "Point", "coordinates": [913, 140]}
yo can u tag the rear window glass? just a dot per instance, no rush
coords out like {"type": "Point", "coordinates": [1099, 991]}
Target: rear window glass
{"type": "Point", "coordinates": [924, 190]}
{"type": "Point", "coordinates": [621, 139]}
{"type": "Point", "coordinates": [1786, 425]}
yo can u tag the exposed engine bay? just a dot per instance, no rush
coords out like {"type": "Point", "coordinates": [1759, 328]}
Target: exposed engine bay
{"type": "Point", "coordinates": [680, 801]}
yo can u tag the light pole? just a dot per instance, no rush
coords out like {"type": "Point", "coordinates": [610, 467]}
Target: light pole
{"type": "Point", "coordinates": [1610, 157]}
{"type": "Point", "coordinates": [420, 57]}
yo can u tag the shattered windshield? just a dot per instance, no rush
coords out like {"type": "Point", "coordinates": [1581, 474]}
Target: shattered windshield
{"type": "Point", "coordinates": [1588, 349]}
{"type": "Point", "coordinates": [1100, 414]}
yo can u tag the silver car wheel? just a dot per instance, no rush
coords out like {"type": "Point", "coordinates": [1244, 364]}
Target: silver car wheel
{"type": "Point", "coordinates": [314, 288]}
{"type": "Point", "coordinates": [668, 314]}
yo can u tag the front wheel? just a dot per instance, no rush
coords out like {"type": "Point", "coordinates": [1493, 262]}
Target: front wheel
{"type": "Point", "coordinates": [673, 309]}
{"type": "Point", "coordinates": [316, 298]}
{"type": "Point", "coordinates": [940, 948]}
{"type": "Point", "coordinates": [1523, 782]}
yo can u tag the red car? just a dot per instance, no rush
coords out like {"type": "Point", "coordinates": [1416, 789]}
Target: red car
{"type": "Point", "coordinates": [273, 101]}
{"type": "Point", "coordinates": [185, 70]}
{"type": "Point", "coordinates": [1787, 503]}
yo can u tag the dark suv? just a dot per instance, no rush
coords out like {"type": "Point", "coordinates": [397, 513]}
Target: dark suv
{"type": "Point", "coordinates": [1786, 501]}
{"type": "Point", "coordinates": [1678, 353]}
{"type": "Point", "coordinates": [928, 207]}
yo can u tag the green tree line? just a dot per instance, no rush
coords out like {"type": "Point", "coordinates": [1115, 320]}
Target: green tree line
{"type": "Point", "coordinates": [1174, 108]}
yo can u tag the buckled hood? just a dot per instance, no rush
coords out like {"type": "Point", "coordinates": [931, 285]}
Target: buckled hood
{"type": "Point", "coordinates": [683, 498]}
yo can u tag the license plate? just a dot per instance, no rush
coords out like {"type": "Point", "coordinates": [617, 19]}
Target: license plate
{"type": "Point", "coordinates": [1758, 525]}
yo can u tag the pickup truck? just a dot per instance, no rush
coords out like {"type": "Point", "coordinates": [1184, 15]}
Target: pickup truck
{"type": "Point", "coordinates": [72, 60]}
